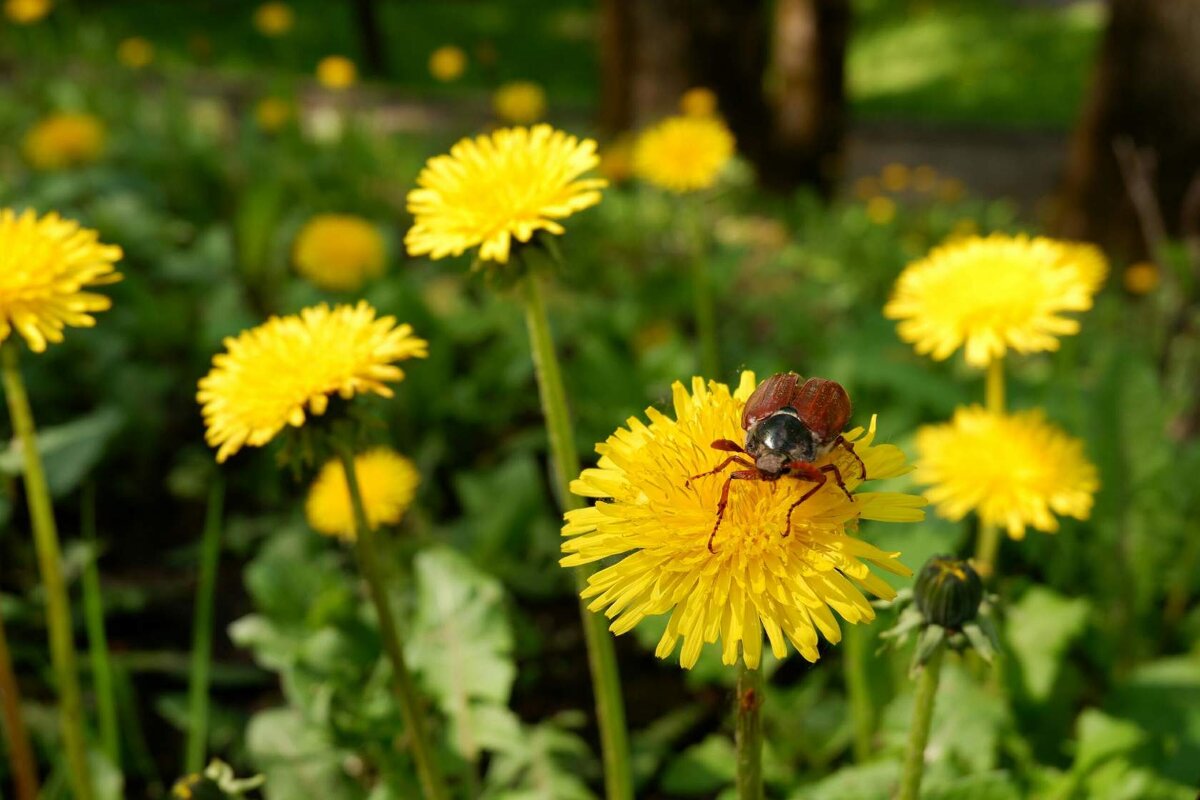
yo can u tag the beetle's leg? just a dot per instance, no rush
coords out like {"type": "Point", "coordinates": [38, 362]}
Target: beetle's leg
{"type": "Point", "coordinates": [728, 445]}
{"type": "Point", "coordinates": [744, 474]}
{"type": "Point", "coordinates": [837, 477]}
{"type": "Point", "coordinates": [804, 471]}
{"type": "Point", "coordinates": [720, 468]}
{"type": "Point", "coordinates": [849, 448]}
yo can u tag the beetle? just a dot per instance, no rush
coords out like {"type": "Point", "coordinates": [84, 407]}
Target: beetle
{"type": "Point", "coordinates": [790, 423]}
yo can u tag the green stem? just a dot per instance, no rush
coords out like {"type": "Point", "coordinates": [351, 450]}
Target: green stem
{"type": "Point", "coordinates": [93, 612]}
{"type": "Point", "coordinates": [402, 682]}
{"type": "Point", "coordinates": [748, 736]}
{"type": "Point", "coordinates": [602, 657]}
{"type": "Point", "coordinates": [858, 688]}
{"type": "Point", "coordinates": [988, 544]}
{"type": "Point", "coordinates": [703, 304]}
{"type": "Point", "coordinates": [20, 754]}
{"type": "Point", "coordinates": [918, 732]}
{"type": "Point", "coordinates": [58, 604]}
{"type": "Point", "coordinates": [202, 630]}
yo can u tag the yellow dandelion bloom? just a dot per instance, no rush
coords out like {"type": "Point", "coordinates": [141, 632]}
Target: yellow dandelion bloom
{"type": "Point", "coordinates": [135, 52]}
{"type": "Point", "coordinates": [387, 482]}
{"type": "Point", "coordinates": [1013, 470]}
{"type": "Point", "coordinates": [27, 12]}
{"type": "Point", "coordinates": [270, 376]}
{"type": "Point", "coordinates": [683, 154]}
{"type": "Point", "coordinates": [447, 63]}
{"type": "Point", "coordinates": [336, 72]}
{"type": "Point", "coordinates": [1141, 278]}
{"type": "Point", "coordinates": [45, 264]}
{"type": "Point", "coordinates": [64, 140]}
{"type": "Point", "coordinates": [272, 114]}
{"type": "Point", "coordinates": [951, 190]}
{"type": "Point", "coordinates": [881, 209]}
{"type": "Point", "coordinates": [274, 19]}
{"type": "Point", "coordinates": [757, 579]}
{"type": "Point", "coordinates": [698, 102]}
{"type": "Point", "coordinates": [866, 187]}
{"type": "Point", "coordinates": [492, 189]}
{"type": "Point", "coordinates": [924, 178]}
{"type": "Point", "coordinates": [991, 294]}
{"type": "Point", "coordinates": [519, 102]}
{"type": "Point", "coordinates": [895, 177]}
{"type": "Point", "coordinates": [339, 252]}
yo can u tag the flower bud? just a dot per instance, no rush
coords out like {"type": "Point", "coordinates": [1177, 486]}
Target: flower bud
{"type": "Point", "coordinates": [948, 592]}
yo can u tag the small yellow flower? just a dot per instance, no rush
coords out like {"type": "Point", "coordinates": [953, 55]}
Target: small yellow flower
{"type": "Point", "coordinates": [698, 102]}
{"type": "Point", "coordinates": [991, 294]}
{"type": "Point", "coordinates": [135, 52]}
{"type": "Point", "coordinates": [924, 178]}
{"type": "Point", "coordinates": [64, 140]}
{"type": "Point", "coordinates": [866, 187]}
{"type": "Point", "coordinates": [492, 189]}
{"type": "Point", "coordinates": [339, 252]}
{"type": "Point", "coordinates": [895, 177]}
{"type": "Point", "coordinates": [274, 19]}
{"type": "Point", "coordinates": [951, 190]}
{"type": "Point", "coordinates": [273, 375]}
{"type": "Point", "coordinates": [1013, 470]}
{"type": "Point", "coordinates": [757, 580]}
{"type": "Point", "coordinates": [683, 154]}
{"type": "Point", "coordinates": [881, 209]}
{"type": "Point", "coordinates": [1141, 278]}
{"type": "Point", "coordinates": [272, 114]}
{"type": "Point", "coordinates": [519, 102]}
{"type": "Point", "coordinates": [27, 12]}
{"type": "Point", "coordinates": [447, 63]}
{"type": "Point", "coordinates": [387, 482]}
{"type": "Point", "coordinates": [336, 72]}
{"type": "Point", "coordinates": [44, 266]}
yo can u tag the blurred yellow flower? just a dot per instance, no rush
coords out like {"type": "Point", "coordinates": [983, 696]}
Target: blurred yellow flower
{"type": "Point", "coordinates": [866, 187]}
{"type": "Point", "coordinates": [274, 19]}
{"type": "Point", "coordinates": [339, 252]}
{"type": "Point", "coordinates": [387, 482]}
{"type": "Point", "coordinates": [683, 154]}
{"type": "Point", "coordinates": [135, 52]}
{"type": "Point", "coordinates": [272, 114]}
{"type": "Point", "coordinates": [881, 210]}
{"type": "Point", "coordinates": [1141, 278]}
{"type": "Point", "coordinates": [1013, 470]}
{"type": "Point", "coordinates": [45, 264]}
{"type": "Point", "coordinates": [895, 177]}
{"type": "Point", "coordinates": [336, 72]}
{"type": "Point", "coordinates": [447, 63]}
{"type": "Point", "coordinates": [991, 294]}
{"type": "Point", "coordinates": [951, 190]}
{"type": "Point", "coordinates": [27, 12]}
{"type": "Point", "coordinates": [519, 102]}
{"type": "Point", "coordinates": [273, 375]}
{"type": "Point", "coordinates": [492, 189]}
{"type": "Point", "coordinates": [64, 140]}
{"type": "Point", "coordinates": [698, 102]}
{"type": "Point", "coordinates": [924, 178]}
{"type": "Point", "coordinates": [616, 160]}
{"type": "Point", "coordinates": [658, 525]}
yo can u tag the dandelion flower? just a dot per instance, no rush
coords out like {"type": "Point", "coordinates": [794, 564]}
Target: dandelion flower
{"type": "Point", "coordinates": [881, 209]}
{"type": "Point", "coordinates": [988, 295]}
{"type": "Point", "coordinates": [1141, 278]}
{"type": "Point", "coordinates": [336, 72]}
{"type": "Point", "coordinates": [447, 63]}
{"type": "Point", "coordinates": [698, 102]}
{"type": "Point", "coordinates": [135, 52]}
{"type": "Point", "coordinates": [45, 264]}
{"type": "Point", "coordinates": [519, 102]}
{"type": "Point", "coordinates": [387, 482]}
{"type": "Point", "coordinates": [758, 579]}
{"type": "Point", "coordinates": [492, 189]}
{"type": "Point", "coordinates": [27, 12]}
{"type": "Point", "coordinates": [895, 177]}
{"type": "Point", "coordinates": [64, 140]}
{"type": "Point", "coordinates": [339, 252]}
{"type": "Point", "coordinates": [683, 154]}
{"type": "Point", "coordinates": [271, 114]}
{"type": "Point", "coordinates": [1013, 470]}
{"type": "Point", "coordinates": [270, 376]}
{"type": "Point", "coordinates": [274, 19]}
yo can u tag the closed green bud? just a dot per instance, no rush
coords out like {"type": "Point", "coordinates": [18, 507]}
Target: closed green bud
{"type": "Point", "coordinates": [948, 592]}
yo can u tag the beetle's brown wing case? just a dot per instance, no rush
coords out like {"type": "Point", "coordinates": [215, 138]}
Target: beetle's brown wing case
{"type": "Point", "coordinates": [771, 395]}
{"type": "Point", "coordinates": [824, 407]}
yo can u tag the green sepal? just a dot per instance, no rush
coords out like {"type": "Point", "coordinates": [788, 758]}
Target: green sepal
{"type": "Point", "coordinates": [927, 644]}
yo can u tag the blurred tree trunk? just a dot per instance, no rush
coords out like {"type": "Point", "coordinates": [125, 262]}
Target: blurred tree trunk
{"type": "Point", "coordinates": [777, 69]}
{"type": "Point", "coordinates": [370, 37]}
{"type": "Point", "coordinates": [1145, 94]}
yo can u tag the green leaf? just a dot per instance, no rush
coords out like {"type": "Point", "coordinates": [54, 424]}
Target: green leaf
{"type": "Point", "coordinates": [1101, 737]}
{"type": "Point", "coordinates": [987, 786]}
{"type": "Point", "coordinates": [872, 781]}
{"type": "Point", "coordinates": [297, 759]}
{"type": "Point", "coordinates": [702, 769]}
{"type": "Point", "coordinates": [1163, 698]}
{"type": "Point", "coordinates": [547, 762]}
{"type": "Point", "coordinates": [69, 451]}
{"type": "Point", "coordinates": [1041, 626]}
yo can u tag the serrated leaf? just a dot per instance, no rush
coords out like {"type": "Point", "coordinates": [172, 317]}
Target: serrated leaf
{"type": "Point", "coordinates": [1102, 737]}
{"type": "Point", "coordinates": [297, 759]}
{"type": "Point", "coordinates": [69, 451]}
{"type": "Point", "coordinates": [873, 781]}
{"type": "Point", "coordinates": [546, 762]}
{"type": "Point", "coordinates": [702, 769]}
{"type": "Point", "coordinates": [1041, 626]}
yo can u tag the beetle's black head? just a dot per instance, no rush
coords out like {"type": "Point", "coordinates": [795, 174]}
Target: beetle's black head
{"type": "Point", "coordinates": [776, 440]}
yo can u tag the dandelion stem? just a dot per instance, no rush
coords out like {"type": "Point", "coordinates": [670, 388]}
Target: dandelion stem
{"type": "Point", "coordinates": [988, 544]}
{"type": "Point", "coordinates": [19, 752]}
{"type": "Point", "coordinates": [995, 385]}
{"type": "Point", "coordinates": [918, 732]}
{"type": "Point", "coordinates": [93, 612]}
{"type": "Point", "coordinates": [202, 627]}
{"type": "Point", "coordinates": [748, 736]}
{"type": "Point", "coordinates": [49, 555]}
{"type": "Point", "coordinates": [402, 683]}
{"type": "Point", "coordinates": [602, 657]}
{"type": "Point", "coordinates": [858, 688]}
{"type": "Point", "coordinates": [702, 297]}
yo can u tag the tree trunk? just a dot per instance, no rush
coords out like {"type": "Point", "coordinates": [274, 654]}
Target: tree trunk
{"type": "Point", "coordinates": [1145, 95]}
{"type": "Point", "coordinates": [366, 16]}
